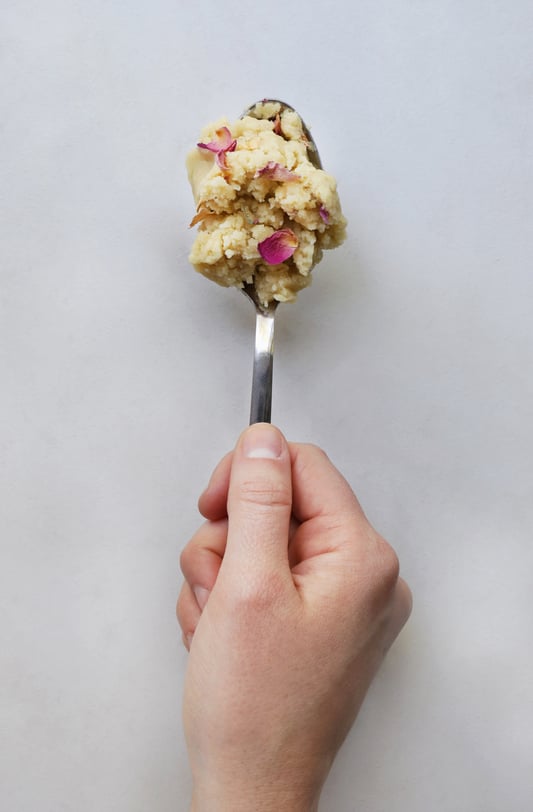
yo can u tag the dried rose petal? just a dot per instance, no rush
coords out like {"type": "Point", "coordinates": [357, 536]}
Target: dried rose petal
{"type": "Point", "coordinates": [275, 171]}
{"type": "Point", "coordinates": [220, 158]}
{"type": "Point", "coordinates": [324, 213]}
{"type": "Point", "coordinates": [224, 143]}
{"type": "Point", "coordinates": [200, 215]}
{"type": "Point", "coordinates": [279, 246]}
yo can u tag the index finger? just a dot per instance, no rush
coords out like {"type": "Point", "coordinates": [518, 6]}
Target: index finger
{"type": "Point", "coordinates": [318, 488]}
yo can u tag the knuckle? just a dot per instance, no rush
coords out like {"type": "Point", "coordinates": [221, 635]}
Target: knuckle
{"type": "Point", "coordinates": [185, 558]}
{"type": "Point", "coordinates": [316, 451]}
{"type": "Point", "coordinates": [268, 493]}
{"type": "Point", "coordinates": [387, 568]}
{"type": "Point", "coordinates": [193, 554]}
{"type": "Point", "coordinates": [255, 595]}
{"type": "Point", "coordinates": [192, 560]}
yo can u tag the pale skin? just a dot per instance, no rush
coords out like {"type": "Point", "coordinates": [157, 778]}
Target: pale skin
{"type": "Point", "coordinates": [291, 600]}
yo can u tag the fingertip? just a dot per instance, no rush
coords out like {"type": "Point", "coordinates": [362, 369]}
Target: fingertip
{"type": "Point", "coordinates": [262, 441]}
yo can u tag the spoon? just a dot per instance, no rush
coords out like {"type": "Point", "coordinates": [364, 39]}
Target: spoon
{"type": "Point", "coordinates": [261, 404]}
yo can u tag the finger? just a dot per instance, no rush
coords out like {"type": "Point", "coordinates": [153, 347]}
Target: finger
{"type": "Point", "coordinates": [319, 489]}
{"type": "Point", "coordinates": [212, 502]}
{"type": "Point", "coordinates": [201, 558]}
{"type": "Point", "coordinates": [259, 507]}
{"type": "Point", "coordinates": [188, 613]}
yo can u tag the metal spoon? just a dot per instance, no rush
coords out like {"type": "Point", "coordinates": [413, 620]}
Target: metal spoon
{"type": "Point", "coordinates": [261, 405]}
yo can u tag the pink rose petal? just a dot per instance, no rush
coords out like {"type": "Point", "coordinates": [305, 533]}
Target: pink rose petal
{"type": "Point", "coordinates": [275, 171]}
{"type": "Point", "coordinates": [324, 213]}
{"type": "Point", "coordinates": [279, 246]}
{"type": "Point", "coordinates": [224, 143]}
{"type": "Point", "coordinates": [220, 158]}
{"type": "Point", "coordinates": [225, 139]}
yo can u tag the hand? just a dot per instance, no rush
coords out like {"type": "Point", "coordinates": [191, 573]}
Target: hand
{"type": "Point", "coordinates": [290, 602]}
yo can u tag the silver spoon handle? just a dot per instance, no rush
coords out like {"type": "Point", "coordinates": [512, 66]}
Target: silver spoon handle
{"type": "Point", "coordinates": [261, 407]}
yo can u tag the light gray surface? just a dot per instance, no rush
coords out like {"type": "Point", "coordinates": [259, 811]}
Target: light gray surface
{"type": "Point", "coordinates": [126, 376]}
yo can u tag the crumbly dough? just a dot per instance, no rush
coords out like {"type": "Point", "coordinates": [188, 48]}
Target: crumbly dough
{"type": "Point", "coordinates": [237, 207]}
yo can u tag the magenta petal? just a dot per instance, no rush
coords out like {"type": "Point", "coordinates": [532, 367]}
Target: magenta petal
{"type": "Point", "coordinates": [275, 171]}
{"type": "Point", "coordinates": [324, 213]}
{"type": "Point", "coordinates": [224, 138]}
{"type": "Point", "coordinates": [212, 146]}
{"type": "Point", "coordinates": [224, 143]}
{"type": "Point", "coordinates": [221, 158]}
{"type": "Point", "coordinates": [279, 246]}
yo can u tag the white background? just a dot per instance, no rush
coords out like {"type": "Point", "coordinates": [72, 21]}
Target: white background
{"type": "Point", "coordinates": [125, 376]}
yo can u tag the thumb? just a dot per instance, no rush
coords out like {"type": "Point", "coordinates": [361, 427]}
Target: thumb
{"type": "Point", "coordinates": [259, 506]}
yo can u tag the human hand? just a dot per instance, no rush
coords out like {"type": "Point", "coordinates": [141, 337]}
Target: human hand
{"type": "Point", "coordinates": [290, 602]}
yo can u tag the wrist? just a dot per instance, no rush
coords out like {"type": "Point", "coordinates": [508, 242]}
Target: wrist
{"type": "Point", "coordinates": [235, 804]}
{"type": "Point", "coordinates": [230, 797]}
